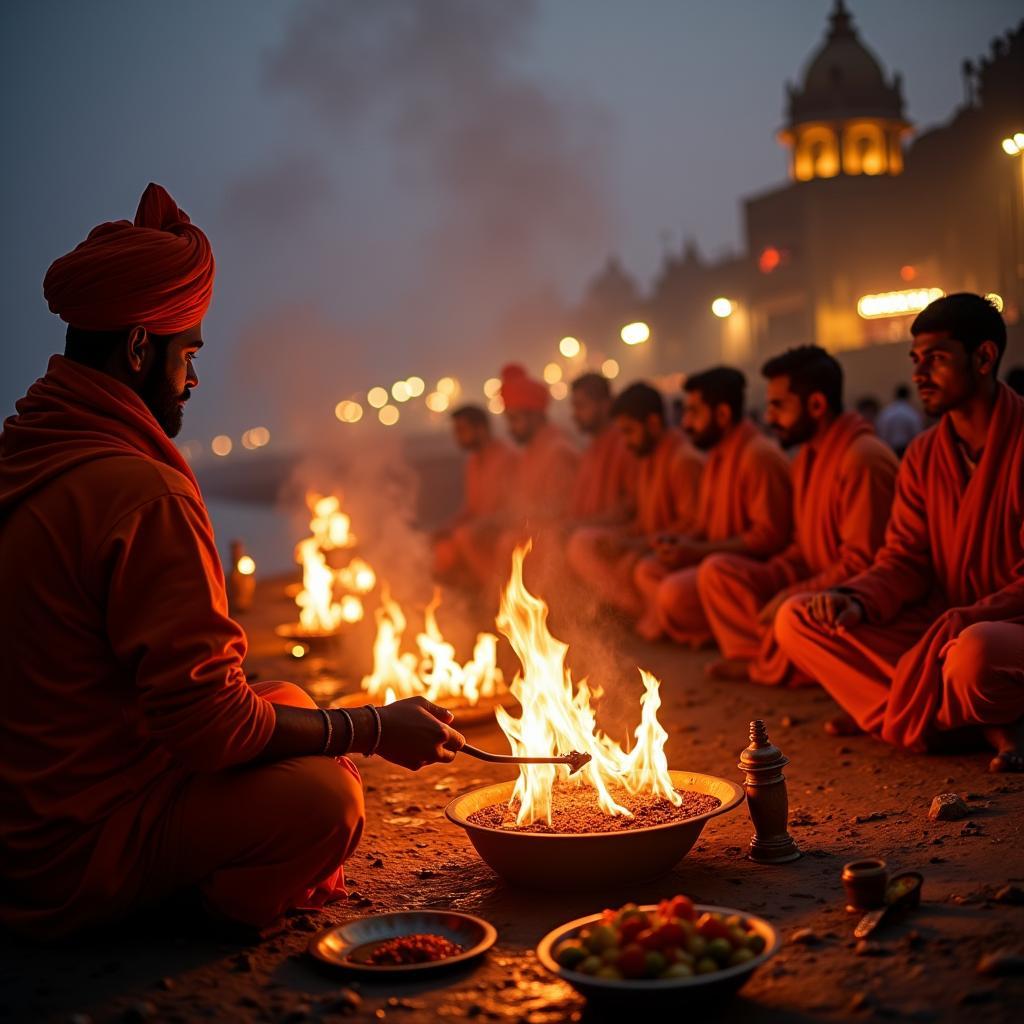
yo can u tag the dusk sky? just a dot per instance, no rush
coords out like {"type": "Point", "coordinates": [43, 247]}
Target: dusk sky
{"type": "Point", "coordinates": [385, 181]}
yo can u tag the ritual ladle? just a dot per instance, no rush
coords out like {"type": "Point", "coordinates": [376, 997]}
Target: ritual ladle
{"type": "Point", "coordinates": [574, 759]}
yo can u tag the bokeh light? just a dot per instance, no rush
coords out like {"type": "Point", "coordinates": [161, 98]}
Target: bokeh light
{"type": "Point", "coordinates": [492, 387]}
{"type": "Point", "coordinates": [722, 307]}
{"type": "Point", "coordinates": [610, 368]}
{"type": "Point", "coordinates": [635, 333]}
{"type": "Point", "coordinates": [221, 445]}
{"type": "Point", "coordinates": [570, 347]}
{"type": "Point", "coordinates": [559, 390]}
{"type": "Point", "coordinates": [552, 373]}
{"type": "Point", "coordinates": [377, 397]}
{"type": "Point", "coordinates": [416, 386]}
{"type": "Point", "coordinates": [348, 411]}
{"type": "Point", "coordinates": [437, 402]}
{"type": "Point", "coordinates": [388, 415]}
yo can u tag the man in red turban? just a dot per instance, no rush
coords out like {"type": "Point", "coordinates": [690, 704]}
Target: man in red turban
{"type": "Point", "coordinates": [136, 761]}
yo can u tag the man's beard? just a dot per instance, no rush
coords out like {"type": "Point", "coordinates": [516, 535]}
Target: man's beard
{"type": "Point", "coordinates": [645, 447]}
{"type": "Point", "coordinates": [162, 399]}
{"type": "Point", "coordinates": [799, 433]}
{"type": "Point", "coordinates": [706, 439]}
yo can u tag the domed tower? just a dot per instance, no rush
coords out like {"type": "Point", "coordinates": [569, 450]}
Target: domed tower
{"type": "Point", "coordinates": [844, 118]}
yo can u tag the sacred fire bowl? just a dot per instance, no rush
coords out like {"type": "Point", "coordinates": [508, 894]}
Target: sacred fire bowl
{"type": "Point", "coordinates": [467, 716]}
{"type": "Point", "coordinates": [317, 642]}
{"type": "Point", "coordinates": [587, 860]}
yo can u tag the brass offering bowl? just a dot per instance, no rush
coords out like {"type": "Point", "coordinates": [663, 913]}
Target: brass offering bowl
{"type": "Point", "coordinates": [587, 860]}
{"type": "Point", "coordinates": [318, 643]}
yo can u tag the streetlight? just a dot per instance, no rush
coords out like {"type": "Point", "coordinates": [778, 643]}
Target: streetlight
{"type": "Point", "coordinates": [722, 307]}
{"type": "Point", "coordinates": [635, 333]}
{"type": "Point", "coordinates": [569, 347]}
{"type": "Point", "coordinates": [1014, 144]}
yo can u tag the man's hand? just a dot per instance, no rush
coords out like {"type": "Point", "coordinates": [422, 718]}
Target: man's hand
{"type": "Point", "coordinates": [835, 610]}
{"type": "Point", "coordinates": [415, 733]}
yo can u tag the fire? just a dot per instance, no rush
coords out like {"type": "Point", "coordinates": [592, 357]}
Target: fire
{"type": "Point", "coordinates": [328, 596]}
{"type": "Point", "coordinates": [555, 719]}
{"type": "Point", "coordinates": [432, 671]}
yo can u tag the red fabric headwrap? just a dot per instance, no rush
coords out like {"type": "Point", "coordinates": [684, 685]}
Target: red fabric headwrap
{"type": "Point", "coordinates": [520, 392]}
{"type": "Point", "coordinates": [157, 272]}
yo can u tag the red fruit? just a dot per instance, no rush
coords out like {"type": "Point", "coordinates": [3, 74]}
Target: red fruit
{"type": "Point", "coordinates": [649, 939]}
{"type": "Point", "coordinates": [632, 927]}
{"type": "Point", "coordinates": [681, 907]}
{"type": "Point", "coordinates": [670, 934]}
{"type": "Point", "coordinates": [711, 927]}
{"type": "Point", "coordinates": [633, 961]}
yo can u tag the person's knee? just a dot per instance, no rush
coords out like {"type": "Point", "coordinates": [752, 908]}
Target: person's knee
{"type": "Point", "coordinates": [325, 801]}
{"type": "Point", "coordinates": [288, 694]}
{"type": "Point", "coordinates": [711, 571]}
{"type": "Point", "coordinates": [790, 627]}
{"type": "Point", "coordinates": [970, 654]}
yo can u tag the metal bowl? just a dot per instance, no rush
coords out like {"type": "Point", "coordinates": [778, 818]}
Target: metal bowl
{"type": "Point", "coordinates": [640, 994]}
{"type": "Point", "coordinates": [587, 860]}
{"type": "Point", "coordinates": [466, 716]}
{"type": "Point", "coordinates": [336, 946]}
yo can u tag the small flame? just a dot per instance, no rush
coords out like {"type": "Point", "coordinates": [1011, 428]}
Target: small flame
{"type": "Point", "coordinates": [434, 672]}
{"type": "Point", "coordinates": [556, 719]}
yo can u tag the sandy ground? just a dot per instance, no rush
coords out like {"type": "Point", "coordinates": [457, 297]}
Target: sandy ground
{"type": "Point", "coordinates": [849, 799]}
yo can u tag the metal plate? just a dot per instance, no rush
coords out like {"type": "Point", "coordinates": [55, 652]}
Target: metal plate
{"type": "Point", "coordinates": [729, 979]}
{"type": "Point", "coordinates": [335, 946]}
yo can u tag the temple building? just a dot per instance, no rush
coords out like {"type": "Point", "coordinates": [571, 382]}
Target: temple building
{"type": "Point", "coordinates": [871, 226]}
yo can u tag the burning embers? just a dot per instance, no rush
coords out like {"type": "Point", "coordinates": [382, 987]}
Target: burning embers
{"type": "Point", "coordinates": [616, 789]}
{"type": "Point", "coordinates": [432, 671]}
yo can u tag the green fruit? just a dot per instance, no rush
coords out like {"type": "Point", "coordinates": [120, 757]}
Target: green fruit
{"type": "Point", "coordinates": [677, 970]}
{"type": "Point", "coordinates": [741, 956]}
{"type": "Point", "coordinates": [591, 965]}
{"type": "Point", "coordinates": [601, 937]}
{"type": "Point", "coordinates": [720, 950]}
{"type": "Point", "coordinates": [696, 946]}
{"type": "Point", "coordinates": [755, 942]}
{"type": "Point", "coordinates": [706, 966]}
{"type": "Point", "coordinates": [655, 963]}
{"type": "Point", "coordinates": [610, 955]}
{"type": "Point", "coordinates": [569, 955]}
{"type": "Point", "coordinates": [609, 972]}
{"type": "Point", "coordinates": [737, 936]}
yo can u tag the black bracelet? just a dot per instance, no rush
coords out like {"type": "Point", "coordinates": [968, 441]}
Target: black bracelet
{"type": "Point", "coordinates": [328, 731]}
{"type": "Point", "coordinates": [350, 732]}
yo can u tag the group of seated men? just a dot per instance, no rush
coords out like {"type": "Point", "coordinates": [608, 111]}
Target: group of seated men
{"type": "Point", "coordinates": [896, 585]}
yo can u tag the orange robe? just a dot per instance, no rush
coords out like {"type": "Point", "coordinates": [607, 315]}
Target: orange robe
{"type": "Point", "coordinates": [667, 488]}
{"type": "Point", "coordinates": [545, 478]}
{"type": "Point", "coordinates": [942, 647]}
{"type": "Point", "coordinates": [128, 725]}
{"type": "Point", "coordinates": [842, 492]}
{"type": "Point", "coordinates": [745, 492]}
{"type": "Point", "coordinates": [606, 480]}
{"type": "Point", "coordinates": [471, 539]}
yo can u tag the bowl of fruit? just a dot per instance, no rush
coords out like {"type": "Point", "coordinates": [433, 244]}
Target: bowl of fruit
{"type": "Point", "coordinates": [654, 952]}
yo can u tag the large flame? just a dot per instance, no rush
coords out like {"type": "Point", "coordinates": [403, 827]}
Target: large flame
{"type": "Point", "coordinates": [433, 671]}
{"type": "Point", "coordinates": [556, 720]}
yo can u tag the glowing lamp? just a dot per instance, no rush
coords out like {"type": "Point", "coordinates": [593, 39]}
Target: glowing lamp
{"type": "Point", "coordinates": [901, 303]}
{"type": "Point", "coordinates": [552, 373]}
{"type": "Point", "coordinates": [298, 650]}
{"type": "Point", "coordinates": [377, 397]}
{"type": "Point", "coordinates": [348, 412]}
{"type": "Point", "coordinates": [245, 565]}
{"type": "Point", "coordinates": [1011, 147]}
{"type": "Point", "coordinates": [492, 387]}
{"type": "Point", "coordinates": [570, 347]}
{"type": "Point", "coordinates": [415, 386]}
{"type": "Point", "coordinates": [400, 391]}
{"type": "Point", "coordinates": [610, 368]}
{"type": "Point", "coordinates": [388, 415]}
{"type": "Point", "coordinates": [447, 386]}
{"type": "Point", "coordinates": [722, 307]}
{"type": "Point", "coordinates": [635, 333]}
{"type": "Point", "coordinates": [221, 445]}
{"type": "Point", "coordinates": [436, 401]}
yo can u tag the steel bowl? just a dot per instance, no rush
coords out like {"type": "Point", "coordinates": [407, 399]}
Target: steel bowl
{"type": "Point", "coordinates": [467, 716]}
{"type": "Point", "coordinates": [587, 860]}
{"type": "Point", "coordinates": [641, 995]}
{"type": "Point", "coordinates": [339, 946]}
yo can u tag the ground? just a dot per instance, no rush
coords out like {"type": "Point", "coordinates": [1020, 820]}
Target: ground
{"type": "Point", "coordinates": [849, 798]}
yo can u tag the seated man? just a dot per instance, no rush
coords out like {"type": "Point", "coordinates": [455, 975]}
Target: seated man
{"type": "Point", "coordinates": [744, 507]}
{"type": "Point", "coordinates": [136, 762]}
{"type": "Point", "coordinates": [929, 639]}
{"type": "Point", "coordinates": [606, 480]}
{"type": "Point", "coordinates": [604, 557]}
{"type": "Point", "coordinates": [843, 480]}
{"type": "Point", "coordinates": [491, 465]}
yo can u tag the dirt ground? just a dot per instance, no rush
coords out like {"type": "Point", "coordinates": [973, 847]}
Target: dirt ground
{"type": "Point", "coordinates": [849, 798]}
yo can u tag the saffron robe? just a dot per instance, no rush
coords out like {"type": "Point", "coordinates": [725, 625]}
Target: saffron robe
{"type": "Point", "coordinates": [745, 492]}
{"type": "Point", "coordinates": [842, 492]}
{"type": "Point", "coordinates": [124, 697]}
{"type": "Point", "coordinates": [942, 647]}
{"type": "Point", "coordinates": [667, 489]}
{"type": "Point", "coordinates": [606, 479]}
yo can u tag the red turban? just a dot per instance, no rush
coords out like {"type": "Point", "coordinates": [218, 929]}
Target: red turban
{"type": "Point", "coordinates": [157, 272]}
{"type": "Point", "coordinates": [520, 392]}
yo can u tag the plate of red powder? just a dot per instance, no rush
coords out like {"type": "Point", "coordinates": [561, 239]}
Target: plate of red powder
{"type": "Point", "coordinates": [412, 941]}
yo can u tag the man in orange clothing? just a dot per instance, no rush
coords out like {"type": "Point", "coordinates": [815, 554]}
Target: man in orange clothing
{"type": "Point", "coordinates": [843, 480]}
{"type": "Point", "coordinates": [606, 481]}
{"type": "Point", "coordinates": [136, 762]}
{"type": "Point", "coordinates": [469, 540]}
{"type": "Point", "coordinates": [668, 479]}
{"type": "Point", "coordinates": [928, 641]}
{"type": "Point", "coordinates": [744, 507]}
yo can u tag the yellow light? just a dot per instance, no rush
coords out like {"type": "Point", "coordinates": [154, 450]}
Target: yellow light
{"type": "Point", "coordinates": [496, 405]}
{"type": "Point", "coordinates": [298, 650]}
{"type": "Point", "coordinates": [492, 386]}
{"type": "Point", "coordinates": [559, 390]}
{"type": "Point", "coordinates": [388, 415]}
{"type": "Point", "coordinates": [416, 386]}
{"type": "Point", "coordinates": [1011, 147]}
{"type": "Point", "coordinates": [1018, 139]}
{"type": "Point", "coordinates": [348, 412]}
{"type": "Point", "coordinates": [257, 437]}
{"type": "Point", "coordinates": [447, 386]}
{"type": "Point", "coordinates": [570, 347]}
{"type": "Point", "coordinates": [610, 368]}
{"type": "Point", "coordinates": [722, 307]}
{"type": "Point", "coordinates": [247, 440]}
{"type": "Point", "coordinates": [351, 609]}
{"type": "Point", "coordinates": [902, 303]}
{"type": "Point", "coordinates": [635, 334]}
{"type": "Point", "coordinates": [377, 397]}
{"type": "Point", "coordinates": [996, 299]}
{"type": "Point", "coordinates": [552, 373]}
{"type": "Point", "coordinates": [246, 566]}
{"type": "Point", "coordinates": [400, 391]}
{"type": "Point", "coordinates": [436, 402]}
{"type": "Point", "coordinates": [221, 445]}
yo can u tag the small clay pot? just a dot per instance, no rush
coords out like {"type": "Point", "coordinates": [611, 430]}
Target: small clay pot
{"type": "Point", "coordinates": [865, 882]}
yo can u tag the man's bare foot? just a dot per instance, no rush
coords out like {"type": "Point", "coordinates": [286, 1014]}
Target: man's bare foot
{"type": "Point", "coordinates": [1008, 741]}
{"type": "Point", "coordinates": [732, 669]}
{"type": "Point", "coordinates": [843, 725]}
